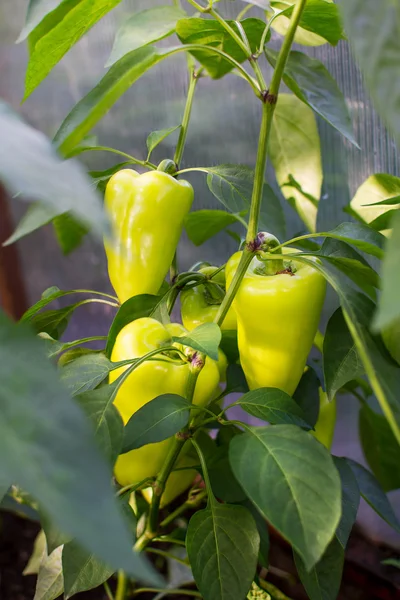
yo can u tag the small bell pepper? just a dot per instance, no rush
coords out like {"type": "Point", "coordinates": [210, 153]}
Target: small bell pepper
{"type": "Point", "coordinates": [147, 213]}
{"type": "Point", "coordinates": [149, 380]}
{"type": "Point", "coordinates": [278, 317]}
{"type": "Point", "coordinates": [200, 304]}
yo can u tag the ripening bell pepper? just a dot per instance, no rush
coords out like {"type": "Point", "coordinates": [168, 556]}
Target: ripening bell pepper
{"type": "Point", "coordinates": [149, 380]}
{"type": "Point", "coordinates": [200, 304]}
{"type": "Point", "coordinates": [324, 428]}
{"type": "Point", "coordinates": [147, 213]}
{"type": "Point", "coordinates": [278, 318]}
{"type": "Point", "coordinates": [391, 339]}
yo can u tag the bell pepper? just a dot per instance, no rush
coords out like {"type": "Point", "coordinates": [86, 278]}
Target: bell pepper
{"type": "Point", "coordinates": [149, 380]}
{"type": "Point", "coordinates": [278, 318]}
{"type": "Point", "coordinates": [201, 303]}
{"type": "Point", "coordinates": [391, 339]}
{"type": "Point", "coordinates": [324, 428]}
{"type": "Point", "coordinates": [147, 213]}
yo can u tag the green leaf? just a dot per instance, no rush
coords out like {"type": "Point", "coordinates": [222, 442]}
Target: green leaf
{"type": "Point", "coordinates": [391, 562]}
{"type": "Point", "coordinates": [69, 232]}
{"type": "Point", "coordinates": [156, 137]}
{"type": "Point", "coordinates": [232, 185]}
{"type": "Point", "coordinates": [82, 571]}
{"type": "Point", "coordinates": [361, 236]}
{"type": "Point", "coordinates": [51, 452]}
{"type": "Point", "coordinates": [235, 380]}
{"type": "Point", "coordinates": [143, 28]}
{"type": "Point", "coordinates": [274, 406]}
{"type": "Point", "coordinates": [52, 322]}
{"type": "Point", "coordinates": [222, 542]}
{"type": "Point", "coordinates": [84, 116]}
{"type": "Point", "coordinates": [380, 447]}
{"type": "Point", "coordinates": [324, 579]}
{"type": "Point", "coordinates": [320, 19]}
{"type": "Point", "coordinates": [50, 583]}
{"type": "Point", "coordinates": [383, 375]}
{"type": "Point", "coordinates": [57, 33]}
{"type": "Point", "coordinates": [350, 500]}
{"type": "Point", "coordinates": [375, 54]}
{"type": "Point", "coordinates": [306, 396]}
{"type": "Point", "coordinates": [312, 83]}
{"type": "Point", "coordinates": [368, 202]}
{"type": "Point", "coordinates": [283, 466]}
{"type": "Point", "coordinates": [372, 493]}
{"type": "Point", "coordinates": [384, 222]}
{"type": "Point", "coordinates": [229, 345]}
{"type": "Point", "coordinates": [136, 307]}
{"type": "Point", "coordinates": [205, 338]}
{"type": "Point", "coordinates": [37, 11]}
{"type": "Point", "coordinates": [26, 159]}
{"type": "Point", "coordinates": [342, 362]}
{"type": "Point", "coordinates": [201, 225]}
{"type": "Point", "coordinates": [295, 151]}
{"type": "Point", "coordinates": [37, 215]}
{"type": "Point", "coordinates": [107, 423]}
{"type": "Point", "coordinates": [262, 526]}
{"type": "Point", "coordinates": [156, 421]}
{"type": "Point", "coordinates": [388, 309]}
{"type": "Point", "coordinates": [85, 373]}
{"type": "Point", "coordinates": [54, 537]}
{"type": "Point", "coordinates": [211, 33]}
{"type": "Point", "coordinates": [224, 485]}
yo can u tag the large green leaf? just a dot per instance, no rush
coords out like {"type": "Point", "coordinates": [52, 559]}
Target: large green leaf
{"type": "Point", "coordinates": [306, 395]}
{"type": "Point", "coordinates": [273, 405]}
{"type": "Point", "coordinates": [367, 202]}
{"type": "Point", "coordinates": [292, 480]}
{"type": "Point", "coordinates": [222, 543]}
{"type": "Point", "coordinates": [383, 374]}
{"type": "Point", "coordinates": [211, 33]}
{"type": "Point", "coordinates": [376, 53]}
{"type": "Point", "coordinates": [156, 421]}
{"type": "Point", "coordinates": [342, 362]}
{"type": "Point", "coordinates": [100, 99]}
{"type": "Point", "coordinates": [36, 12]}
{"type": "Point", "coordinates": [143, 28]}
{"type": "Point", "coordinates": [324, 579]}
{"type": "Point", "coordinates": [372, 493]}
{"type": "Point", "coordinates": [57, 33]}
{"type": "Point", "coordinates": [311, 81]}
{"type": "Point", "coordinates": [320, 22]}
{"type": "Point", "coordinates": [350, 500]}
{"type": "Point", "coordinates": [26, 160]}
{"type": "Point", "coordinates": [49, 450]}
{"type": "Point", "coordinates": [380, 447]}
{"type": "Point", "coordinates": [295, 151]}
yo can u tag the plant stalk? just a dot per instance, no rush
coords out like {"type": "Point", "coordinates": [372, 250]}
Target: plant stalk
{"type": "Point", "coordinates": [270, 99]}
{"type": "Point", "coordinates": [193, 79]}
{"type": "Point", "coordinates": [120, 594]}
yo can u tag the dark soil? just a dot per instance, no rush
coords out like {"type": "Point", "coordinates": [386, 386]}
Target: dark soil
{"type": "Point", "coordinates": [364, 576]}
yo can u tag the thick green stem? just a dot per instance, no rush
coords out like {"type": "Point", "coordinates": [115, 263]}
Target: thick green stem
{"type": "Point", "coordinates": [245, 260]}
{"type": "Point", "coordinates": [189, 504]}
{"type": "Point", "coordinates": [270, 100]}
{"type": "Point", "coordinates": [193, 79]}
{"type": "Point", "coordinates": [180, 439]}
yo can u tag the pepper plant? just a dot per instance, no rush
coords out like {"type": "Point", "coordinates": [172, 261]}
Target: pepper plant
{"type": "Point", "coordinates": [136, 444]}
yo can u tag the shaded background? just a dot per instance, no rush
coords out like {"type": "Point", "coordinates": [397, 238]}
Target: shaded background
{"type": "Point", "coordinates": [223, 129]}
